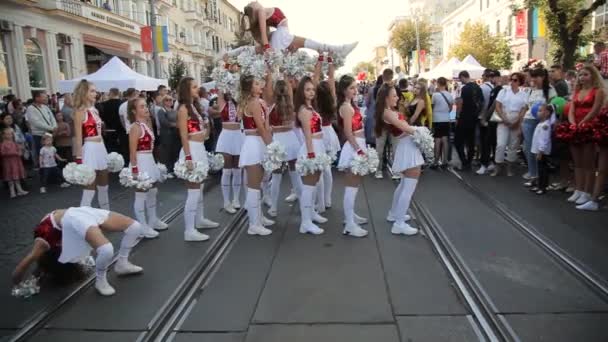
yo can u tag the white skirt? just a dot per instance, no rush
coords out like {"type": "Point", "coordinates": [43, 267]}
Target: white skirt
{"type": "Point", "coordinates": [75, 223]}
{"type": "Point", "coordinates": [290, 141]}
{"type": "Point", "coordinates": [230, 142]}
{"type": "Point", "coordinates": [146, 163]}
{"type": "Point", "coordinates": [197, 152]}
{"type": "Point", "coordinates": [330, 138]}
{"type": "Point", "coordinates": [299, 134]}
{"type": "Point", "coordinates": [317, 145]}
{"type": "Point", "coordinates": [407, 155]}
{"type": "Point", "coordinates": [348, 153]}
{"type": "Point", "coordinates": [281, 38]}
{"type": "Point", "coordinates": [252, 152]}
{"type": "Point", "coordinates": [95, 155]}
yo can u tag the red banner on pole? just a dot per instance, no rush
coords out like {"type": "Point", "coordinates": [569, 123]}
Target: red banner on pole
{"type": "Point", "coordinates": [422, 56]}
{"type": "Point", "coordinates": [521, 24]}
{"type": "Point", "coordinates": [146, 39]}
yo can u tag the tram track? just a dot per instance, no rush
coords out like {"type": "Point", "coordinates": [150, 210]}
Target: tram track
{"type": "Point", "coordinates": [39, 320]}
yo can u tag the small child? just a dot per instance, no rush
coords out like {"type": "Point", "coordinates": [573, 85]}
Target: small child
{"type": "Point", "coordinates": [13, 171]}
{"type": "Point", "coordinates": [541, 147]}
{"type": "Point", "coordinates": [48, 163]}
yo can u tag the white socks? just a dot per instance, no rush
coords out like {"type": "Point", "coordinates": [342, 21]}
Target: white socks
{"type": "Point", "coordinates": [226, 185]}
{"type": "Point", "coordinates": [328, 183]}
{"type": "Point", "coordinates": [200, 206]}
{"type": "Point", "coordinates": [320, 196]}
{"type": "Point", "coordinates": [139, 207]}
{"type": "Point", "coordinates": [129, 240]}
{"type": "Point", "coordinates": [151, 205]}
{"type": "Point", "coordinates": [87, 198]}
{"type": "Point", "coordinates": [275, 189]}
{"type": "Point", "coordinates": [396, 198]}
{"type": "Point", "coordinates": [350, 193]}
{"type": "Point", "coordinates": [266, 184]}
{"type": "Point", "coordinates": [252, 204]}
{"type": "Point", "coordinates": [306, 203]}
{"type": "Point", "coordinates": [105, 253]}
{"type": "Point", "coordinates": [102, 197]}
{"type": "Point", "coordinates": [190, 208]}
{"type": "Point", "coordinates": [296, 182]}
{"type": "Point", "coordinates": [405, 198]}
{"type": "Point", "coordinates": [237, 180]}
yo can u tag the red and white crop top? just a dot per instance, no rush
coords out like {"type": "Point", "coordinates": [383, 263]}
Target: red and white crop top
{"type": "Point", "coordinates": [276, 18]}
{"type": "Point", "coordinates": [229, 113]}
{"type": "Point", "coordinates": [249, 122]}
{"type": "Point", "coordinates": [195, 125]}
{"type": "Point", "coordinates": [315, 122]}
{"type": "Point", "coordinates": [276, 120]}
{"type": "Point", "coordinates": [91, 126]}
{"type": "Point", "coordinates": [48, 231]}
{"type": "Point", "coordinates": [145, 143]}
{"type": "Point", "coordinates": [356, 120]}
{"type": "Point", "coordinates": [396, 131]}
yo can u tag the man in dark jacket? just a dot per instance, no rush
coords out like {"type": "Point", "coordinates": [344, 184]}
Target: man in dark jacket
{"type": "Point", "coordinates": [115, 137]}
{"type": "Point", "coordinates": [467, 115]}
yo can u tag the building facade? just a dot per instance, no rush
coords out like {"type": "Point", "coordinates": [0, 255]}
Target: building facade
{"type": "Point", "coordinates": [44, 41]}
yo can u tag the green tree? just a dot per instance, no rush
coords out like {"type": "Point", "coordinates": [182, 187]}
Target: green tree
{"type": "Point", "coordinates": [366, 67]}
{"type": "Point", "coordinates": [177, 70]}
{"type": "Point", "coordinates": [403, 39]}
{"type": "Point", "coordinates": [566, 21]}
{"type": "Point", "coordinates": [490, 51]}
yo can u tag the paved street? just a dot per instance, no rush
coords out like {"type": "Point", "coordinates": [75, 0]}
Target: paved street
{"type": "Point", "coordinates": [290, 287]}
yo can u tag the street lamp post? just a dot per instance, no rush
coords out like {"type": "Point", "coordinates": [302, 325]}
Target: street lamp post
{"type": "Point", "coordinates": [417, 42]}
{"type": "Point", "coordinates": [155, 56]}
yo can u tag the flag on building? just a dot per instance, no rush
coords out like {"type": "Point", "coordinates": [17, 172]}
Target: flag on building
{"type": "Point", "coordinates": [538, 24]}
{"type": "Point", "coordinates": [521, 27]}
{"type": "Point", "coordinates": [162, 39]}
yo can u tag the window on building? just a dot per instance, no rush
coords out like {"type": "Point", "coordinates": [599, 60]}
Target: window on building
{"type": "Point", "coordinates": [5, 79]}
{"type": "Point", "coordinates": [133, 12]}
{"type": "Point", "coordinates": [230, 23]}
{"type": "Point", "coordinates": [35, 64]}
{"type": "Point", "coordinates": [62, 57]}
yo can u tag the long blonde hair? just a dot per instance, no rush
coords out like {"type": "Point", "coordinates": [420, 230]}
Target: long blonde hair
{"type": "Point", "coordinates": [596, 78]}
{"type": "Point", "coordinates": [253, 27]}
{"type": "Point", "coordinates": [81, 94]}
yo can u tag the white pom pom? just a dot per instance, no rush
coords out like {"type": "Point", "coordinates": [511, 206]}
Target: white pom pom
{"type": "Point", "coordinates": [163, 172]}
{"type": "Point", "coordinates": [216, 161]}
{"type": "Point", "coordinates": [307, 166]}
{"type": "Point", "coordinates": [366, 163]}
{"type": "Point", "coordinates": [196, 175]}
{"type": "Point", "coordinates": [79, 174]}
{"type": "Point", "coordinates": [115, 162]}
{"type": "Point", "coordinates": [426, 143]}
{"type": "Point", "coordinates": [274, 156]}
{"type": "Point", "coordinates": [141, 182]}
{"type": "Point", "coordinates": [26, 288]}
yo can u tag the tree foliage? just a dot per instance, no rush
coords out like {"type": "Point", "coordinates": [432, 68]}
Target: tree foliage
{"type": "Point", "coordinates": [403, 39]}
{"type": "Point", "coordinates": [566, 21]}
{"type": "Point", "coordinates": [490, 51]}
{"type": "Point", "coordinates": [177, 70]}
{"type": "Point", "coordinates": [366, 67]}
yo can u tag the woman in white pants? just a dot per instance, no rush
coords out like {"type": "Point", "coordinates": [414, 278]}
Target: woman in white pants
{"type": "Point", "coordinates": [66, 236]}
{"type": "Point", "coordinates": [89, 147]}
{"type": "Point", "coordinates": [511, 108]}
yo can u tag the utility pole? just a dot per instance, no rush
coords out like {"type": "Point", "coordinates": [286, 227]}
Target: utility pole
{"type": "Point", "coordinates": [155, 57]}
{"type": "Point", "coordinates": [417, 42]}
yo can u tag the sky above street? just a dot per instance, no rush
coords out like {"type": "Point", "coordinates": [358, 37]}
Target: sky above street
{"type": "Point", "coordinates": [340, 22]}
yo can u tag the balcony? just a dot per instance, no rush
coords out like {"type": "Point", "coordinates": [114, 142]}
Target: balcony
{"type": "Point", "coordinates": [88, 13]}
{"type": "Point", "coordinates": [164, 6]}
{"type": "Point", "coordinates": [195, 18]}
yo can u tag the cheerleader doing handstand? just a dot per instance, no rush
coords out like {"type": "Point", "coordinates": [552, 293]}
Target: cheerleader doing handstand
{"type": "Point", "coordinates": [66, 236]}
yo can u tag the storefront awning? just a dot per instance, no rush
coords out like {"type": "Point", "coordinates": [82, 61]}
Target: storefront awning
{"type": "Point", "coordinates": [119, 53]}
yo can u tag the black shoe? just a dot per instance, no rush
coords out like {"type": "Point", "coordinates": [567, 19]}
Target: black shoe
{"type": "Point", "coordinates": [434, 166]}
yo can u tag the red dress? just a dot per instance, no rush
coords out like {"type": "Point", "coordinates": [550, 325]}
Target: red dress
{"type": "Point", "coordinates": [12, 165]}
{"type": "Point", "coordinates": [582, 107]}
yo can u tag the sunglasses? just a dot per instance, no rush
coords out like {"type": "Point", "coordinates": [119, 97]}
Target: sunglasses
{"type": "Point", "coordinates": [514, 80]}
{"type": "Point", "coordinates": [168, 100]}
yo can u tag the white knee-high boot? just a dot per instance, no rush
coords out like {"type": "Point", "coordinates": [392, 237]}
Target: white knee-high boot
{"type": "Point", "coordinates": [201, 220]}
{"type": "Point", "coordinates": [343, 50]}
{"type": "Point", "coordinates": [351, 227]}
{"type": "Point", "coordinates": [328, 184]}
{"type": "Point", "coordinates": [191, 234]}
{"type": "Point", "coordinates": [226, 186]}
{"type": "Point", "coordinates": [129, 240]}
{"type": "Point", "coordinates": [403, 204]}
{"type": "Point", "coordinates": [275, 189]}
{"type": "Point", "coordinates": [153, 220]}
{"type": "Point", "coordinates": [306, 211]}
{"type": "Point", "coordinates": [139, 208]}
{"type": "Point", "coordinates": [87, 197]}
{"type": "Point", "coordinates": [102, 197]}
{"type": "Point", "coordinates": [237, 187]}
{"type": "Point", "coordinates": [253, 206]}
{"type": "Point", "coordinates": [105, 253]}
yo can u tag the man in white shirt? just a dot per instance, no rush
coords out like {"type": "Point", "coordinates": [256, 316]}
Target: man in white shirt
{"type": "Point", "coordinates": [130, 94]}
{"type": "Point", "coordinates": [41, 121]}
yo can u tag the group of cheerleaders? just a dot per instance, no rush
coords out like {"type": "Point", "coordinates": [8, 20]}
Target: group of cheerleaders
{"type": "Point", "coordinates": [297, 113]}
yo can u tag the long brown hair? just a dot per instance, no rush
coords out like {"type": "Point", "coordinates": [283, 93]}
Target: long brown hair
{"type": "Point", "coordinates": [325, 102]}
{"type": "Point", "coordinates": [343, 84]}
{"type": "Point", "coordinates": [81, 94]}
{"type": "Point", "coordinates": [186, 99]}
{"type": "Point", "coordinates": [132, 108]}
{"type": "Point", "coordinates": [246, 86]}
{"type": "Point", "coordinates": [383, 93]}
{"type": "Point", "coordinates": [254, 26]}
{"type": "Point", "coordinates": [282, 100]}
{"type": "Point", "coordinates": [299, 98]}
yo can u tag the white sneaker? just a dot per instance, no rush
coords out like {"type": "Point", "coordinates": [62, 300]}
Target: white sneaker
{"type": "Point", "coordinates": [379, 175]}
{"type": "Point", "coordinates": [404, 229]}
{"type": "Point", "coordinates": [583, 198]}
{"type": "Point", "coordinates": [104, 288]}
{"type": "Point", "coordinates": [229, 208]}
{"type": "Point", "coordinates": [236, 204]}
{"type": "Point", "coordinates": [396, 176]}
{"type": "Point", "coordinates": [193, 235]}
{"type": "Point", "coordinates": [258, 230]}
{"type": "Point", "coordinates": [125, 267]}
{"type": "Point", "coordinates": [160, 225]}
{"type": "Point", "coordinates": [482, 170]}
{"type": "Point", "coordinates": [391, 218]}
{"type": "Point", "coordinates": [65, 185]}
{"type": "Point", "coordinates": [354, 230]}
{"type": "Point", "coordinates": [272, 212]}
{"type": "Point", "coordinates": [291, 198]}
{"type": "Point", "coordinates": [43, 190]}
{"type": "Point", "coordinates": [266, 222]}
{"type": "Point", "coordinates": [344, 50]}
{"type": "Point", "coordinates": [149, 233]}
{"type": "Point", "coordinates": [206, 223]}
{"type": "Point", "coordinates": [526, 176]}
{"type": "Point", "coordinates": [327, 204]}
{"type": "Point", "coordinates": [311, 228]}
{"type": "Point", "coordinates": [318, 218]}
{"type": "Point", "coordinates": [491, 167]}
{"type": "Point", "coordinates": [360, 220]}
{"type": "Point", "coordinates": [589, 206]}
{"type": "Point", "coordinates": [574, 196]}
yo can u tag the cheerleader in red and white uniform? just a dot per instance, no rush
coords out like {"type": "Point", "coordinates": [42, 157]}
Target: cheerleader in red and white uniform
{"type": "Point", "coordinates": [229, 144]}
{"type": "Point", "coordinates": [261, 19]}
{"type": "Point", "coordinates": [66, 236]}
{"type": "Point", "coordinates": [309, 120]}
{"type": "Point", "coordinates": [351, 121]}
{"type": "Point", "coordinates": [89, 148]}
{"type": "Point", "coordinates": [141, 145]}
{"type": "Point", "coordinates": [408, 158]}
{"type": "Point", "coordinates": [282, 119]}
{"type": "Point", "coordinates": [193, 131]}
{"type": "Point", "coordinates": [252, 111]}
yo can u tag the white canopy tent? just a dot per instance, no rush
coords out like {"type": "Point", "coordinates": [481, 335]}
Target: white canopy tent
{"type": "Point", "coordinates": [114, 74]}
{"type": "Point", "coordinates": [443, 69]}
{"type": "Point", "coordinates": [453, 67]}
{"type": "Point", "coordinates": [470, 60]}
